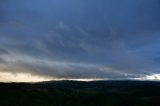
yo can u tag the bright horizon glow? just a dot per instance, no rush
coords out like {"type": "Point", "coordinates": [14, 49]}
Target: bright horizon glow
{"type": "Point", "coordinates": [27, 77]}
{"type": "Point", "coordinates": [21, 77]}
{"type": "Point", "coordinates": [153, 77]}
{"type": "Point", "coordinates": [84, 79]}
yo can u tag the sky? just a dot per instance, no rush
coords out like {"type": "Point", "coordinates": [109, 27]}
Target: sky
{"type": "Point", "coordinates": [79, 39]}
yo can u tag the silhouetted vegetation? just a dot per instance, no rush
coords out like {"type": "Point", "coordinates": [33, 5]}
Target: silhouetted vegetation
{"type": "Point", "coordinates": [75, 93]}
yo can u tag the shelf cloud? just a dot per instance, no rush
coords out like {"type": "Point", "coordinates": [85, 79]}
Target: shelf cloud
{"type": "Point", "coordinates": [106, 39]}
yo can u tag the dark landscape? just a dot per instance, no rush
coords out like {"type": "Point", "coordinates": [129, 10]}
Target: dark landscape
{"type": "Point", "coordinates": [77, 93]}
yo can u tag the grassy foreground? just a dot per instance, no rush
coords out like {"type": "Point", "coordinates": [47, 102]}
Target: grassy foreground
{"type": "Point", "coordinates": [75, 93]}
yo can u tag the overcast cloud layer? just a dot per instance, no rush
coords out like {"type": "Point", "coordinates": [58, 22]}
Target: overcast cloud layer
{"type": "Point", "coordinates": [110, 39]}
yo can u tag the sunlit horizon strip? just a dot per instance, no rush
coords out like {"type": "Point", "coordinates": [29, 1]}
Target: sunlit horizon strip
{"type": "Point", "coordinates": [27, 77]}
{"type": "Point", "coordinates": [152, 77]}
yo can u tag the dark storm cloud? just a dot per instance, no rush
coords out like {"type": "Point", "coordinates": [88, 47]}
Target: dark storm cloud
{"type": "Point", "coordinates": [122, 35]}
{"type": "Point", "coordinates": [65, 69]}
{"type": "Point", "coordinates": [3, 51]}
{"type": "Point", "coordinates": [2, 61]}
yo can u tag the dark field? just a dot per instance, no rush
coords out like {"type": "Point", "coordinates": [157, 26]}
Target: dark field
{"type": "Point", "coordinates": [75, 93]}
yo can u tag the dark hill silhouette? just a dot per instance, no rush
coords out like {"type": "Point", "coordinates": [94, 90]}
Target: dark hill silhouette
{"type": "Point", "coordinates": [77, 93]}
